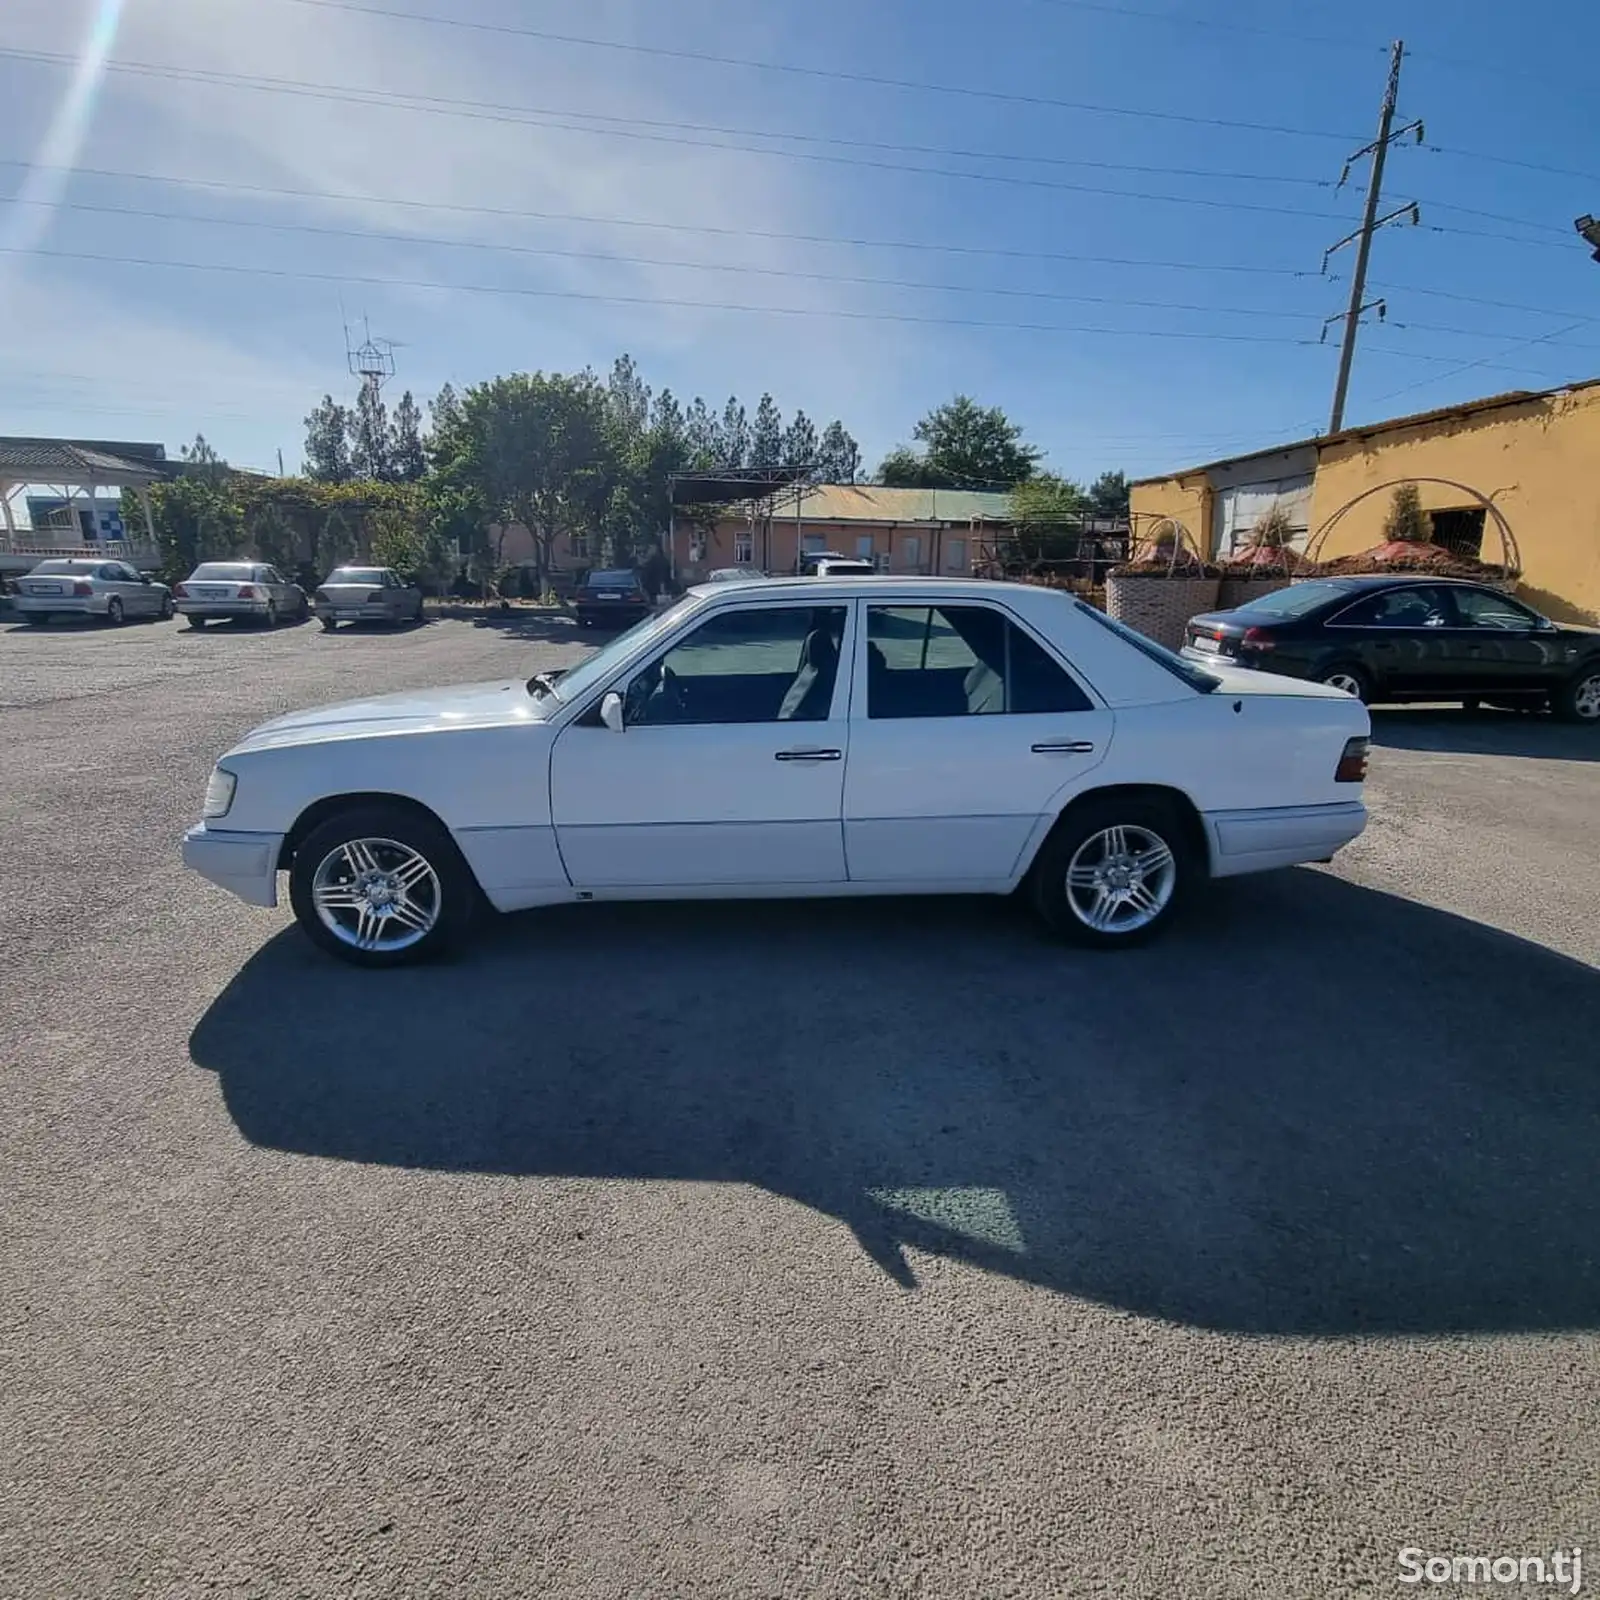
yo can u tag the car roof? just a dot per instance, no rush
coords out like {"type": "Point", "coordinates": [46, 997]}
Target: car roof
{"type": "Point", "coordinates": [1385, 580]}
{"type": "Point", "coordinates": [855, 583]}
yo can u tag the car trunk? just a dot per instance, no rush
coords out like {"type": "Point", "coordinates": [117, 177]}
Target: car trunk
{"type": "Point", "coordinates": [348, 596]}
{"type": "Point", "coordinates": [220, 589]}
{"type": "Point", "coordinates": [50, 584]}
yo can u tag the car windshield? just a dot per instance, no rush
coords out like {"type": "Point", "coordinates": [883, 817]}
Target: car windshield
{"type": "Point", "coordinates": [370, 575]}
{"type": "Point", "coordinates": [232, 571]}
{"type": "Point", "coordinates": [1163, 657]}
{"type": "Point", "coordinates": [1297, 600]}
{"type": "Point", "coordinates": [582, 678]}
{"type": "Point", "coordinates": [610, 580]}
{"type": "Point", "coordinates": [66, 566]}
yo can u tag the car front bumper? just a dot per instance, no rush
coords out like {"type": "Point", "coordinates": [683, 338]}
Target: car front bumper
{"type": "Point", "coordinates": [245, 864]}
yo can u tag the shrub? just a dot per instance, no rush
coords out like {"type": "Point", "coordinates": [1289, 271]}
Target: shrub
{"type": "Point", "coordinates": [1406, 522]}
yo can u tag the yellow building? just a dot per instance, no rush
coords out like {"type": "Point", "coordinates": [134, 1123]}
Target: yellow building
{"type": "Point", "coordinates": [1532, 457]}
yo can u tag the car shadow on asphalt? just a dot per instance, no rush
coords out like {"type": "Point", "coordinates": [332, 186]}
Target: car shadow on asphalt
{"type": "Point", "coordinates": [1488, 732]}
{"type": "Point", "coordinates": [549, 627]}
{"type": "Point", "coordinates": [1315, 1109]}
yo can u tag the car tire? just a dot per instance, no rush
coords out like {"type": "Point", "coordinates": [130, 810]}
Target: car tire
{"type": "Point", "coordinates": [1097, 910]}
{"type": "Point", "coordinates": [271, 618]}
{"type": "Point", "coordinates": [114, 612]}
{"type": "Point", "coordinates": [37, 619]}
{"type": "Point", "coordinates": [1349, 678]}
{"type": "Point", "coordinates": [394, 838]}
{"type": "Point", "coordinates": [168, 609]}
{"type": "Point", "coordinates": [1578, 699]}
{"type": "Point", "coordinates": [197, 623]}
{"type": "Point", "coordinates": [328, 624]}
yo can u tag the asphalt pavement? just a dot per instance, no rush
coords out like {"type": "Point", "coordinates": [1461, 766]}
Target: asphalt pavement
{"type": "Point", "coordinates": [782, 1250]}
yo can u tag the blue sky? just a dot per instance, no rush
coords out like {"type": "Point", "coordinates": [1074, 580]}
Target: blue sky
{"type": "Point", "coordinates": [1079, 256]}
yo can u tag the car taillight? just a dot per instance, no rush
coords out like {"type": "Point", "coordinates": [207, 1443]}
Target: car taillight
{"type": "Point", "coordinates": [180, 592]}
{"type": "Point", "coordinates": [376, 597]}
{"type": "Point", "coordinates": [1352, 766]}
{"type": "Point", "coordinates": [82, 588]}
{"type": "Point", "coordinates": [247, 591]}
{"type": "Point", "coordinates": [1257, 639]}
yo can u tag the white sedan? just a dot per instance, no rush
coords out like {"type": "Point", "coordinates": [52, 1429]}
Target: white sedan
{"type": "Point", "coordinates": [795, 737]}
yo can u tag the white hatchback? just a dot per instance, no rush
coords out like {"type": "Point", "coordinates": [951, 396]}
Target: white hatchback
{"type": "Point", "coordinates": [815, 736]}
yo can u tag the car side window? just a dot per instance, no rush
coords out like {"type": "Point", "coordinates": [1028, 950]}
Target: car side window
{"type": "Point", "coordinates": [109, 574]}
{"type": "Point", "coordinates": [1398, 608]}
{"type": "Point", "coordinates": [1483, 608]}
{"type": "Point", "coordinates": [957, 661]}
{"type": "Point", "coordinates": [759, 664]}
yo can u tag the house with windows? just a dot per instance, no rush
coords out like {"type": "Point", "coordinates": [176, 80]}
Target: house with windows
{"type": "Point", "coordinates": [924, 531]}
{"type": "Point", "coordinates": [1525, 457]}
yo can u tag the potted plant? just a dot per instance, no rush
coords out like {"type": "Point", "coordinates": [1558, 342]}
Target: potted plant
{"type": "Point", "coordinates": [1165, 584]}
{"type": "Point", "coordinates": [1266, 561]}
{"type": "Point", "coordinates": [1407, 546]}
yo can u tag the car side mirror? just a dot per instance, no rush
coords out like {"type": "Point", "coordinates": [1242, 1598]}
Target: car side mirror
{"type": "Point", "coordinates": [611, 712]}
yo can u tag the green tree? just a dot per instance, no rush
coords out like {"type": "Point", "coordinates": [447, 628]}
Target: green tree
{"type": "Point", "coordinates": [407, 461]}
{"type": "Point", "coordinates": [369, 435]}
{"type": "Point", "coordinates": [800, 442]}
{"type": "Point", "coordinates": [1047, 517]}
{"type": "Point", "coordinates": [964, 445]}
{"type": "Point", "coordinates": [628, 397]}
{"type": "Point", "coordinates": [766, 435]}
{"type": "Point", "coordinates": [328, 442]}
{"type": "Point", "coordinates": [702, 436]}
{"type": "Point", "coordinates": [197, 517]}
{"type": "Point", "coordinates": [735, 434]}
{"type": "Point", "coordinates": [838, 455]}
{"type": "Point", "coordinates": [1108, 495]}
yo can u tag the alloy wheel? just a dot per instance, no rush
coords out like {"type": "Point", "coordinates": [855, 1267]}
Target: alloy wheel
{"type": "Point", "coordinates": [1348, 682]}
{"type": "Point", "coordinates": [1120, 879]}
{"type": "Point", "coordinates": [1586, 698]}
{"type": "Point", "coordinates": [377, 894]}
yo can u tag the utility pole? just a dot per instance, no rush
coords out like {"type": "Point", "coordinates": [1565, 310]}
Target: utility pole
{"type": "Point", "coordinates": [1370, 223]}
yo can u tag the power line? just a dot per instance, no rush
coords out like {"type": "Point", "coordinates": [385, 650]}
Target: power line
{"type": "Point", "coordinates": [872, 80]}
{"type": "Point", "coordinates": [1503, 161]}
{"type": "Point", "coordinates": [1486, 362]}
{"type": "Point", "coordinates": [322, 196]}
{"type": "Point", "coordinates": [1477, 300]}
{"type": "Point", "coordinates": [346, 94]}
{"type": "Point", "coordinates": [438, 105]}
{"type": "Point", "coordinates": [737, 268]}
{"type": "Point", "coordinates": [665, 302]}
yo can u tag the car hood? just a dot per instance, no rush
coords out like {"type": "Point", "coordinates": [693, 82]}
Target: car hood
{"type": "Point", "coordinates": [472, 705]}
{"type": "Point", "coordinates": [1246, 680]}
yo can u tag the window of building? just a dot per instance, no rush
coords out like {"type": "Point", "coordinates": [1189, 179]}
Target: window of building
{"type": "Point", "coordinates": [813, 544]}
{"type": "Point", "coordinates": [957, 661]}
{"type": "Point", "coordinates": [760, 664]}
{"type": "Point", "coordinates": [955, 555]}
{"type": "Point", "coordinates": [578, 543]}
{"type": "Point", "coordinates": [864, 546]}
{"type": "Point", "coordinates": [744, 548]}
{"type": "Point", "coordinates": [1460, 531]}
{"type": "Point", "coordinates": [911, 549]}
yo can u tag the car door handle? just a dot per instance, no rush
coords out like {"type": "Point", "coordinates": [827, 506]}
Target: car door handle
{"type": "Point", "coordinates": [808, 755]}
{"type": "Point", "coordinates": [1063, 747]}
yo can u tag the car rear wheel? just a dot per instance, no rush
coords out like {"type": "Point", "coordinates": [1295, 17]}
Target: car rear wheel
{"type": "Point", "coordinates": [1578, 699]}
{"type": "Point", "coordinates": [1352, 680]}
{"type": "Point", "coordinates": [1113, 872]}
{"type": "Point", "coordinates": [197, 622]}
{"type": "Point", "coordinates": [272, 614]}
{"type": "Point", "coordinates": [167, 608]}
{"type": "Point", "coordinates": [380, 886]}
{"type": "Point", "coordinates": [114, 612]}
{"type": "Point", "coordinates": [328, 624]}
{"type": "Point", "coordinates": [37, 619]}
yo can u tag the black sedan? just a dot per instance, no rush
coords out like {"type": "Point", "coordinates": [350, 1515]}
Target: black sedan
{"type": "Point", "coordinates": [1409, 637]}
{"type": "Point", "coordinates": [611, 600]}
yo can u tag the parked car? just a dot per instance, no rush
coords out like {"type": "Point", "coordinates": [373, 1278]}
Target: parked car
{"type": "Point", "coordinates": [1406, 637]}
{"type": "Point", "coordinates": [250, 591]}
{"type": "Point", "coordinates": [829, 736]}
{"type": "Point", "coordinates": [87, 586]}
{"type": "Point", "coordinates": [366, 594]}
{"type": "Point", "coordinates": [734, 574]}
{"type": "Point", "coordinates": [844, 567]}
{"type": "Point", "coordinates": [611, 600]}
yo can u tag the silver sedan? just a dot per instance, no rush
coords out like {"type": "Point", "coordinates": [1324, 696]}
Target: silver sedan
{"type": "Point", "coordinates": [248, 590]}
{"type": "Point", "coordinates": [85, 586]}
{"type": "Point", "coordinates": [367, 594]}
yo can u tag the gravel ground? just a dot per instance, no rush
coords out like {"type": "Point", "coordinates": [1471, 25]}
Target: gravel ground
{"type": "Point", "coordinates": [744, 1250]}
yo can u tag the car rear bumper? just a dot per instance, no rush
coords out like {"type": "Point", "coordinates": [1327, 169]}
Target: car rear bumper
{"type": "Point", "coordinates": [245, 864]}
{"type": "Point", "coordinates": [337, 613]}
{"type": "Point", "coordinates": [222, 608]}
{"type": "Point", "coordinates": [38, 605]}
{"type": "Point", "coordinates": [1280, 836]}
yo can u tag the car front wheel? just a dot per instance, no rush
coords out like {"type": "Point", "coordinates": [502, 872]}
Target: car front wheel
{"type": "Point", "coordinates": [1113, 872]}
{"type": "Point", "coordinates": [1578, 699]}
{"type": "Point", "coordinates": [380, 886]}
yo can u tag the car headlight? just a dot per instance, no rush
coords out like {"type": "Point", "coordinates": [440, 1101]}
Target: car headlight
{"type": "Point", "coordinates": [219, 794]}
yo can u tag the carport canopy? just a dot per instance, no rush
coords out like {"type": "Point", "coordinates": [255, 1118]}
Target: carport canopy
{"type": "Point", "coordinates": [71, 465]}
